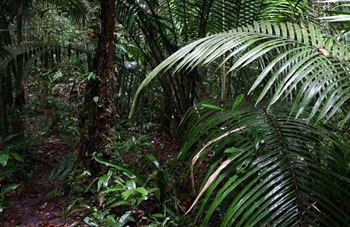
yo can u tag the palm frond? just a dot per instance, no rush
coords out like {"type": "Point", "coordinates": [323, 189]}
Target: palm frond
{"type": "Point", "coordinates": [284, 10]}
{"type": "Point", "coordinates": [266, 169]}
{"type": "Point", "coordinates": [302, 63]}
{"type": "Point", "coordinates": [224, 15]}
{"type": "Point", "coordinates": [33, 51]}
{"type": "Point", "coordinates": [213, 16]}
{"type": "Point", "coordinates": [77, 10]}
{"type": "Point", "coordinates": [337, 11]}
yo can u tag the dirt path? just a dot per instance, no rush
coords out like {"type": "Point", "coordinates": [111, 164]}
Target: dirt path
{"type": "Point", "coordinates": [33, 206]}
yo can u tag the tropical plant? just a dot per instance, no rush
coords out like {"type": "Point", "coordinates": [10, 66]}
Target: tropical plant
{"type": "Point", "coordinates": [271, 163]}
{"type": "Point", "coordinates": [265, 168]}
{"type": "Point", "coordinates": [32, 54]}
{"type": "Point", "coordinates": [14, 17]}
{"type": "Point", "coordinates": [336, 11]}
{"type": "Point", "coordinates": [168, 25]}
{"type": "Point", "coordinates": [291, 60]}
{"type": "Point", "coordinates": [124, 195]}
{"type": "Point", "coordinates": [8, 167]}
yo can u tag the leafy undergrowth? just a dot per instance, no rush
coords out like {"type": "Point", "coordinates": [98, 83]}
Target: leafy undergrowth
{"type": "Point", "coordinates": [51, 136]}
{"type": "Point", "coordinates": [33, 203]}
{"type": "Point", "coordinates": [140, 184]}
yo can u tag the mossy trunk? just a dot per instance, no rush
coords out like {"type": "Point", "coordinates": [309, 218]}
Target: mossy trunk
{"type": "Point", "coordinates": [96, 117]}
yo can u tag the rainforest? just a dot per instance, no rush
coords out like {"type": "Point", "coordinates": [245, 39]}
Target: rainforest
{"type": "Point", "coordinates": [147, 113]}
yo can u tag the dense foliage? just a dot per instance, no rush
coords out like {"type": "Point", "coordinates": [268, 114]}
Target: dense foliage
{"type": "Point", "coordinates": [178, 113]}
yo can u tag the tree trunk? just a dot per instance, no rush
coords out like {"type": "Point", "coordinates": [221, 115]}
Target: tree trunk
{"type": "Point", "coordinates": [6, 89]}
{"type": "Point", "coordinates": [96, 115]}
{"type": "Point", "coordinates": [18, 127]}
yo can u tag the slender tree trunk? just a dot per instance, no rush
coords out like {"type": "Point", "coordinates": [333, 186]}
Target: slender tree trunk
{"type": "Point", "coordinates": [18, 127]}
{"type": "Point", "coordinates": [5, 37]}
{"type": "Point", "coordinates": [6, 100]}
{"type": "Point", "coordinates": [96, 116]}
{"type": "Point", "coordinates": [6, 90]}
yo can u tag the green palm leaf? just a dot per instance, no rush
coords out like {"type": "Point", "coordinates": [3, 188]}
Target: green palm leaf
{"type": "Point", "coordinates": [273, 171]}
{"type": "Point", "coordinates": [337, 12]}
{"type": "Point", "coordinates": [302, 63]}
{"type": "Point", "coordinates": [284, 10]}
{"type": "Point", "coordinates": [10, 53]}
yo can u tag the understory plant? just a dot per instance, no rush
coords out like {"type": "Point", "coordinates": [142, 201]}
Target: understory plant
{"type": "Point", "coordinates": [57, 92]}
{"type": "Point", "coordinates": [281, 159]}
{"type": "Point", "coordinates": [9, 166]}
{"type": "Point", "coordinates": [125, 195]}
{"type": "Point", "coordinates": [135, 187]}
{"type": "Point", "coordinates": [265, 168]}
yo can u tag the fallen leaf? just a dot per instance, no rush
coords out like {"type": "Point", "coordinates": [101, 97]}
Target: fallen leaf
{"type": "Point", "coordinates": [43, 206]}
{"type": "Point", "coordinates": [323, 51]}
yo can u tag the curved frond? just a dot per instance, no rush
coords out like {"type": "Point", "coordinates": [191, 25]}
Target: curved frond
{"type": "Point", "coordinates": [302, 63]}
{"type": "Point", "coordinates": [284, 10]}
{"type": "Point", "coordinates": [273, 171]}
{"type": "Point", "coordinates": [337, 11]}
{"type": "Point", "coordinates": [77, 10]}
{"type": "Point", "coordinates": [33, 51]}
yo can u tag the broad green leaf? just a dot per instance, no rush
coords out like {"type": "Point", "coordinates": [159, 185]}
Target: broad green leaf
{"type": "Point", "coordinates": [143, 191]}
{"type": "Point", "coordinates": [9, 188]}
{"type": "Point", "coordinates": [130, 184]}
{"type": "Point", "coordinates": [157, 215]}
{"type": "Point", "coordinates": [113, 189]}
{"type": "Point", "coordinates": [119, 203]}
{"type": "Point", "coordinates": [17, 157]}
{"type": "Point", "coordinates": [128, 193]}
{"type": "Point", "coordinates": [104, 180]}
{"type": "Point", "coordinates": [121, 168]}
{"type": "Point", "coordinates": [211, 106]}
{"type": "Point", "coordinates": [4, 158]}
{"type": "Point", "coordinates": [237, 101]}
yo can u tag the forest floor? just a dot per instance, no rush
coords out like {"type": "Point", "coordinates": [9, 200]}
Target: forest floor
{"type": "Point", "coordinates": [33, 204]}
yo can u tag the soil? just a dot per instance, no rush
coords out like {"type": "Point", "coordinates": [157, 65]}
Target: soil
{"type": "Point", "coordinates": [33, 205]}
